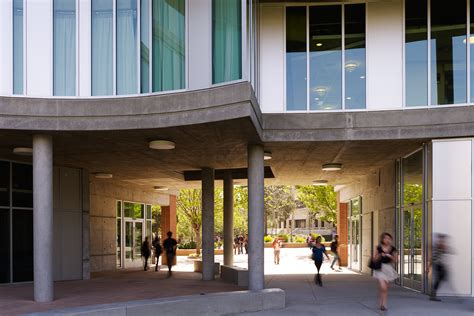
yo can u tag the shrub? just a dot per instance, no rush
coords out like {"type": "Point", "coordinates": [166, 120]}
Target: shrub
{"type": "Point", "coordinates": [268, 238]}
{"type": "Point", "coordinates": [284, 237]}
{"type": "Point", "coordinates": [314, 236]}
{"type": "Point", "coordinates": [187, 245]}
{"type": "Point", "coordinates": [300, 239]}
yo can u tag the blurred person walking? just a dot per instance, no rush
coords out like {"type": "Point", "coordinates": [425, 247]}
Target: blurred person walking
{"type": "Point", "coordinates": [438, 264]}
{"type": "Point", "coordinates": [170, 245]}
{"type": "Point", "coordinates": [276, 245]}
{"type": "Point", "coordinates": [157, 250]}
{"type": "Point", "coordinates": [318, 250]}
{"type": "Point", "coordinates": [146, 252]}
{"type": "Point", "coordinates": [383, 262]}
{"type": "Point", "coordinates": [334, 250]}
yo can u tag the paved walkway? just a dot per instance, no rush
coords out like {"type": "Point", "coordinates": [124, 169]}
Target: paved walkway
{"type": "Point", "coordinates": [344, 293]}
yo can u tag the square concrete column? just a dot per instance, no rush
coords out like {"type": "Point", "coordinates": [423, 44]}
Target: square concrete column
{"type": "Point", "coordinates": [207, 224]}
{"type": "Point", "coordinates": [342, 231]}
{"type": "Point", "coordinates": [228, 219]}
{"type": "Point", "coordinates": [256, 217]}
{"type": "Point", "coordinates": [168, 224]}
{"type": "Point", "coordinates": [43, 253]}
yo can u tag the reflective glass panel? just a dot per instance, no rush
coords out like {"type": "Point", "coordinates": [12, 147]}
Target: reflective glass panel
{"type": "Point", "coordinates": [471, 42]}
{"type": "Point", "coordinates": [226, 40]}
{"type": "Point", "coordinates": [102, 47]}
{"type": "Point", "coordinates": [127, 71]}
{"type": "Point", "coordinates": [354, 64]}
{"type": "Point", "coordinates": [168, 45]}
{"type": "Point", "coordinates": [325, 57]}
{"type": "Point", "coordinates": [4, 183]}
{"type": "Point", "coordinates": [18, 47]}
{"type": "Point", "coordinates": [64, 47]}
{"type": "Point", "coordinates": [119, 209]}
{"type": "Point", "coordinates": [296, 59]}
{"type": "Point", "coordinates": [22, 238]}
{"type": "Point", "coordinates": [145, 47]}
{"type": "Point", "coordinates": [4, 245]}
{"type": "Point", "coordinates": [22, 185]}
{"type": "Point", "coordinates": [118, 243]}
{"type": "Point", "coordinates": [416, 53]}
{"type": "Point", "coordinates": [448, 52]}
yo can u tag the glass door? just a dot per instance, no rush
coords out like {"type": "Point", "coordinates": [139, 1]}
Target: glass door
{"type": "Point", "coordinates": [412, 251]}
{"type": "Point", "coordinates": [354, 225]}
{"type": "Point", "coordinates": [133, 242]}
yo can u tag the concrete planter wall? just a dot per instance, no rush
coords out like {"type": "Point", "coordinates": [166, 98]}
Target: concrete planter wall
{"type": "Point", "coordinates": [187, 252]}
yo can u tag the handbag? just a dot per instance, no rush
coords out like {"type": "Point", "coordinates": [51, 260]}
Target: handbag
{"type": "Point", "coordinates": [375, 264]}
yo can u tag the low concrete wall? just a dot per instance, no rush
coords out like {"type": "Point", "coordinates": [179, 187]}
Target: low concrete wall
{"type": "Point", "coordinates": [198, 267]}
{"type": "Point", "coordinates": [208, 304]}
{"type": "Point", "coordinates": [236, 275]}
{"type": "Point", "coordinates": [187, 252]}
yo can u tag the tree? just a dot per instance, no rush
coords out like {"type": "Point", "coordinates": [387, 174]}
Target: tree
{"type": "Point", "coordinates": [320, 200]}
{"type": "Point", "coordinates": [241, 199]}
{"type": "Point", "coordinates": [189, 209]}
{"type": "Point", "coordinates": [279, 203]}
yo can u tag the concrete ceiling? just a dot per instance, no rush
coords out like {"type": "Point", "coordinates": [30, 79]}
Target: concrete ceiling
{"type": "Point", "coordinates": [219, 145]}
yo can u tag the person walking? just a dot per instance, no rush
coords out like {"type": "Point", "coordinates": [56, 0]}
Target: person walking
{"type": "Point", "coordinates": [318, 251]}
{"type": "Point", "coordinates": [334, 250]}
{"type": "Point", "coordinates": [157, 250]}
{"type": "Point", "coordinates": [276, 245]}
{"type": "Point", "coordinates": [440, 249]}
{"type": "Point", "coordinates": [385, 257]}
{"type": "Point", "coordinates": [246, 244]}
{"type": "Point", "coordinates": [170, 247]}
{"type": "Point", "coordinates": [146, 252]}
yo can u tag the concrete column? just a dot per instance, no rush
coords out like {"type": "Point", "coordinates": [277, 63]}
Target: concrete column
{"type": "Point", "coordinates": [256, 217]}
{"type": "Point", "coordinates": [168, 224]}
{"type": "Point", "coordinates": [228, 219]}
{"type": "Point", "coordinates": [207, 224]}
{"type": "Point", "coordinates": [342, 231]}
{"type": "Point", "coordinates": [43, 217]}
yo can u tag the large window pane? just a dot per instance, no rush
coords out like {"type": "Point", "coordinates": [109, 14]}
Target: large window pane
{"type": "Point", "coordinates": [448, 52]}
{"type": "Point", "coordinates": [354, 65]}
{"type": "Point", "coordinates": [145, 47]}
{"type": "Point", "coordinates": [325, 57]}
{"type": "Point", "coordinates": [64, 47]}
{"type": "Point", "coordinates": [18, 47]}
{"type": "Point", "coordinates": [4, 183]}
{"type": "Point", "coordinates": [22, 185]}
{"type": "Point", "coordinates": [296, 59]}
{"type": "Point", "coordinates": [168, 44]}
{"type": "Point", "coordinates": [4, 245]}
{"type": "Point", "coordinates": [471, 42]}
{"type": "Point", "coordinates": [127, 47]}
{"type": "Point", "coordinates": [226, 40]}
{"type": "Point", "coordinates": [102, 47]}
{"type": "Point", "coordinates": [416, 53]}
{"type": "Point", "coordinates": [22, 233]}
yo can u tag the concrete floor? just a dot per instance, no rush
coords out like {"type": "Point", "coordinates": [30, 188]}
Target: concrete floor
{"type": "Point", "coordinates": [344, 293]}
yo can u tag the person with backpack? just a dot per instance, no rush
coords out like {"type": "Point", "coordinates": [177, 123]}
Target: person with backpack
{"type": "Point", "coordinates": [146, 252]}
{"type": "Point", "coordinates": [170, 245]}
{"type": "Point", "coordinates": [334, 247]}
{"type": "Point", "coordinates": [158, 250]}
{"type": "Point", "coordinates": [318, 250]}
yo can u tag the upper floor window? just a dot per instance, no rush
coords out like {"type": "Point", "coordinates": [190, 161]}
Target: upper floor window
{"type": "Point", "coordinates": [226, 40]}
{"type": "Point", "coordinates": [325, 57]}
{"type": "Point", "coordinates": [18, 47]}
{"type": "Point", "coordinates": [436, 53]}
{"type": "Point", "coordinates": [64, 43]}
{"type": "Point", "coordinates": [102, 47]}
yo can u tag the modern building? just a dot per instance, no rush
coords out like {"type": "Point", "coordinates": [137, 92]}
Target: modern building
{"type": "Point", "coordinates": [116, 101]}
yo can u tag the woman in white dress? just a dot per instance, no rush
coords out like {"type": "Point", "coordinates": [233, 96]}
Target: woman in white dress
{"type": "Point", "coordinates": [387, 255]}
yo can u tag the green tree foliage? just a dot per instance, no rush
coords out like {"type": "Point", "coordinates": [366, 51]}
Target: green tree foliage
{"type": "Point", "coordinates": [279, 203]}
{"type": "Point", "coordinates": [189, 209]}
{"type": "Point", "coordinates": [320, 200]}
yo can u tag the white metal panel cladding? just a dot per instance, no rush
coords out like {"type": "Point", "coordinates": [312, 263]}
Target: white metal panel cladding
{"type": "Point", "coordinates": [6, 47]}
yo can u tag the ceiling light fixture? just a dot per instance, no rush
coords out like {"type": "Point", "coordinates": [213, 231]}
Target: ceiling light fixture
{"type": "Point", "coordinates": [161, 144]}
{"type": "Point", "coordinates": [319, 44]}
{"type": "Point", "coordinates": [352, 65]}
{"type": "Point", "coordinates": [160, 188]}
{"type": "Point", "coordinates": [267, 155]}
{"type": "Point", "coordinates": [23, 151]}
{"type": "Point", "coordinates": [471, 40]}
{"type": "Point", "coordinates": [103, 175]}
{"type": "Point", "coordinates": [332, 166]}
{"type": "Point", "coordinates": [320, 90]}
{"type": "Point", "coordinates": [320, 182]}
{"type": "Point", "coordinates": [362, 77]}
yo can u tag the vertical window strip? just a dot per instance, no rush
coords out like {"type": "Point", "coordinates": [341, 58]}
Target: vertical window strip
{"type": "Point", "coordinates": [18, 62]}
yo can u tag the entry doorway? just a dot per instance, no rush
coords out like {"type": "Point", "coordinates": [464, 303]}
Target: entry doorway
{"type": "Point", "coordinates": [133, 242]}
{"type": "Point", "coordinates": [412, 247]}
{"type": "Point", "coordinates": [354, 224]}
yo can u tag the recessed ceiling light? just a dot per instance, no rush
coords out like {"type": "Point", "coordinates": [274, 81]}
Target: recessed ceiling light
{"type": "Point", "coordinates": [23, 151]}
{"type": "Point", "coordinates": [160, 188]}
{"type": "Point", "coordinates": [161, 144]}
{"type": "Point", "coordinates": [362, 77]}
{"type": "Point", "coordinates": [348, 98]}
{"type": "Point", "coordinates": [352, 65]}
{"type": "Point", "coordinates": [332, 166]}
{"type": "Point", "coordinates": [320, 182]}
{"type": "Point", "coordinates": [103, 175]}
{"type": "Point", "coordinates": [267, 155]}
{"type": "Point", "coordinates": [319, 44]}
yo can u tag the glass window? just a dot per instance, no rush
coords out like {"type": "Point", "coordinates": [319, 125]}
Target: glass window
{"type": "Point", "coordinates": [416, 53]}
{"type": "Point", "coordinates": [296, 59]}
{"type": "Point", "coordinates": [471, 42]}
{"type": "Point", "coordinates": [448, 52]}
{"type": "Point", "coordinates": [168, 44]}
{"type": "Point", "coordinates": [22, 185]}
{"type": "Point", "coordinates": [18, 47]}
{"type": "Point", "coordinates": [64, 47]}
{"type": "Point", "coordinates": [226, 40]}
{"type": "Point", "coordinates": [119, 243]}
{"type": "Point", "coordinates": [102, 47]}
{"type": "Point", "coordinates": [354, 53]}
{"type": "Point", "coordinates": [119, 209]}
{"type": "Point", "coordinates": [133, 210]}
{"type": "Point", "coordinates": [22, 238]}
{"type": "Point", "coordinates": [4, 245]}
{"type": "Point", "coordinates": [145, 46]}
{"type": "Point", "coordinates": [4, 183]}
{"type": "Point", "coordinates": [127, 47]}
{"type": "Point", "coordinates": [325, 57]}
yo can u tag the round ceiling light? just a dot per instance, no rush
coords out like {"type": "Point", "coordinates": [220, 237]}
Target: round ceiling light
{"type": "Point", "coordinates": [332, 166]}
{"type": "Point", "coordinates": [352, 65]}
{"type": "Point", "coordinates": [161, 144]}
{"type": "Point", "coordinates": [23, 151]}
{"type": "Point", "coordinates": [320, 182]}
{"type": "Point", "coordinates": [160, 188]}
{"type": "Point", "coordinates": [103, 175]}
{"type": "Point", "coordinates": [267, 155]}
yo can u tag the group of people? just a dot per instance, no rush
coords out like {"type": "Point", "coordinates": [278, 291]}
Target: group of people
{"type": "Point", "coordinates": [241, 242]}
{"type": "Point", "coordinates": [169, 245]}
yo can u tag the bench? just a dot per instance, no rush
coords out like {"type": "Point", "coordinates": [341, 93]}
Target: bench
{"type": "Point", "coordinates": [236, 275]}
{"type": "Point", "coordinates": [198, 267]}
